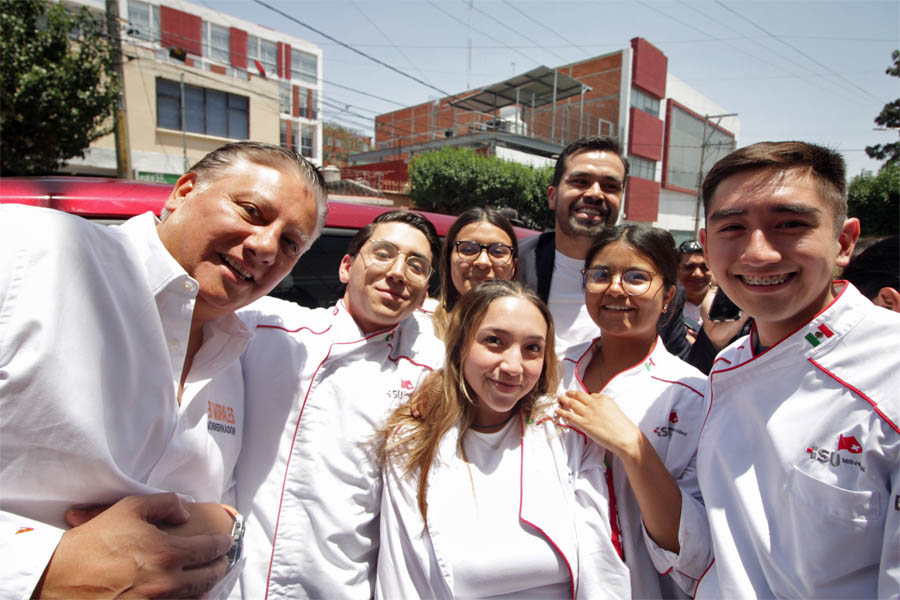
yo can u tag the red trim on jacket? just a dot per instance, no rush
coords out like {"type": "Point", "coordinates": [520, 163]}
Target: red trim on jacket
{"type": "Point", "coordinates": [541, 531]}
{"type": "Point", "coordinates": [614, 514]}
{"type": "Point", "coordinates": [857, 392]}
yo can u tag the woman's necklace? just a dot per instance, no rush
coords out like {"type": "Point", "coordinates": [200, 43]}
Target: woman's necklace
{"type": "Point", "coordinates": [493, 425]}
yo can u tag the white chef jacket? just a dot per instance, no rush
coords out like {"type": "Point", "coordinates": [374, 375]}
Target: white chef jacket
{"type": "Point", "coordinates": [799, 460]}
{"type": "Point", "coordinates": [564, 498]}
{"type": "Point", "coordinates": [94, 324]}
{"type": "Point", "coordinates": [663, 396]}
{"type": "Point", "coordinates": [308, 483]}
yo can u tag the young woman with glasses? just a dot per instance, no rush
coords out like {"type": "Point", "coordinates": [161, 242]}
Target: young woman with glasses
{"type": "Point", "coordinates": [480, 245]}
{"type": "Point", "coordinates": [646, 406]}
{"type": "Point", "coordinates": [487, 496]}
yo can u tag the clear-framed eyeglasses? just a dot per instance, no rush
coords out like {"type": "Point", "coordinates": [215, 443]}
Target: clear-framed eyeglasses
{"type": "Point", "coordinates": [498, 253]}
{"type": "Point", "coordinates": [382, 254]}
{"type": "Point", "coordinates": [634, 282]}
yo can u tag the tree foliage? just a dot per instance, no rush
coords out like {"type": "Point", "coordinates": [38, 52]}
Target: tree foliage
{"type": "Point", "coordinates": [452, 180]}
{"type": "Point", "coordinates": [875, 200]}
{"type": "Point", "coordinates": [889, 117]}
{"type": "Point", "coordinates": [58, 84]}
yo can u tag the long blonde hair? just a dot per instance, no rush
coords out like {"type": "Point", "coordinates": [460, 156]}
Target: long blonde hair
{"type": "Point", "coordinates": [448, 399]}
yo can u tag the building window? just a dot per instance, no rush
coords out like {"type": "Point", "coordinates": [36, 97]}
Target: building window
{"type": "Point", "coordinates": [307, 133]}
{"type": "Point", "coordinates": [219, 43]}
{"type": "Point", "coordinates": [645, 102]}
{"type": "Point", "coordinates": [304, 66]}
{"type": "Point", "coordinates": [143, 21]}
{"type": "Point", "coordinates": [686, 142]}
{"type": "Point", "coordinates": [284, 97]}
{"type": "Point", "coordinates": [206, 111]}
{"type": "Point", "coordinates": [308, 99]}
{"type": "Point", "coordinates": [265, 52]}
{"type": "Point", "coordinates": [641, 167]}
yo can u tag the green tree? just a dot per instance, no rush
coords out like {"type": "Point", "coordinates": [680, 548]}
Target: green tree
{"type": "Point", "coordinates": [58, 85]}
{"type": "Point", "coordinates": [875, 200]}
{"type": "Point", "coordinates": [452, 180]}
{"type": "Point", "coordinates": [889, 117]}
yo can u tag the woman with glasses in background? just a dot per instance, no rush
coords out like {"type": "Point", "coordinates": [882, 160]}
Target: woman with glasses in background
{"type": "Point", "coordinates": [480, 245]}
{"type": "Point", "coordinates": [644, 405]}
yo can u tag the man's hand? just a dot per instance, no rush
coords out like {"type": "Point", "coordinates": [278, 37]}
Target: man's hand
{"type": "Point", "coordinates": [121, 552]}
{"type": "Point", "coordinates": [720, 333]}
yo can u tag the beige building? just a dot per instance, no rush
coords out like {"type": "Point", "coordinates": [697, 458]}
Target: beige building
{"type": "Point", "coordinates": [196, 78]}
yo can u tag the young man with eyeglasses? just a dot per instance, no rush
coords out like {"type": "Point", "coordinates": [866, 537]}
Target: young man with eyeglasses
{"type": "Point", "coordinates": [318, 383]}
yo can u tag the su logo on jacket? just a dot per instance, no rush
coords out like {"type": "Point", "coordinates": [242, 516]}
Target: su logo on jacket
{"type": "Point", "coordinates": [669, 430]}
{"type": "Point", "coordinates": [848, 443]}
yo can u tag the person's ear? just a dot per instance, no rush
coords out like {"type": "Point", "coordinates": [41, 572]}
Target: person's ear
{"type": "Point", "coordinates": [667, 298]}
{"type": "Point", "coordinates": [551, 197]}
{"type": "Point", "coordinates": [847, 241]}
{"type": "Point", "coordinates": [183, 187]}
{"type": "Point", "coordinates": [703, 243]}
{"type": "Point", "coordinates": [889, 298]}
{"type": "Point", "coordinates": [344, 269]}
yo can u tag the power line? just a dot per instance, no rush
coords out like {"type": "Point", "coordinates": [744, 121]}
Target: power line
{"type": "Point", "coordinates": [351, 48]}
{"type": "Point", "coordinates": [800, 52]}
{"type": "Point", "coordinates": [385, 36]}
{"type": "Point", "coordinates": [507, 27]}
{"type": "Point", "coordinates": [543, 26]}
{"type": "Point", "coordinates": [436, 7]}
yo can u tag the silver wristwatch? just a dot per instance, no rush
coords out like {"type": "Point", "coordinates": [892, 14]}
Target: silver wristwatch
{"type": "Point", "coordinates": [237, 534]}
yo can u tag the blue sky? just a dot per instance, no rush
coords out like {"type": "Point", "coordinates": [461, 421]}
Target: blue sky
{"type": "Point", "coordinates": [810, 70]}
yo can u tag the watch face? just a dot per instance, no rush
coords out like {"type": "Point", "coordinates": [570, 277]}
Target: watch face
{"type": "Point", "coordinates": [237, 534]}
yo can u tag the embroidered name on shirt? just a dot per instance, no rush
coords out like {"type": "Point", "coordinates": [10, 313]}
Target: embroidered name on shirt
{"type": "Point", "coordinates": [815, 338]}
{"type": "Point", "coordinates": [221, 418]}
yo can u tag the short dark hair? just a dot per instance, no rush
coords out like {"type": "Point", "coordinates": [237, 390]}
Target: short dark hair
{"type": "Point", "coordinates": [656, 244]}
{"type": "Point", "coordinates": [826, 166]}
{"type": "Point", "coordinates": [876, 267]}
{"type": "Point", "coordinates": [598, 143]}
{"type": "Point", "coordinates": [449, 293]}
{"type": "Point", "coordinates": [411, 218]}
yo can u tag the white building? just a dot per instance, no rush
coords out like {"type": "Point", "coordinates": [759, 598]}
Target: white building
{"type": "Point", "coordinates": [196, 78]}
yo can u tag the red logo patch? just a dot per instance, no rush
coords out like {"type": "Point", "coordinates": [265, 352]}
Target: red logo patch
{"type": "Point", "coordinates": [406, 384]}
{"type": "Point", "coordinates": [673, 417]}
{"type": "Point", "coordinates": [849, 443]}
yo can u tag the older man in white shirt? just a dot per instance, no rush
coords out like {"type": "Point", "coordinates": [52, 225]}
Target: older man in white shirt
{"type": "Point", "coordinates": [119, 374]}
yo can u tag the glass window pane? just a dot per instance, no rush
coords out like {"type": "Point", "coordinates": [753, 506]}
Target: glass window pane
{"type": "Point", "coordinates": [303, 66]}
{"type": "Point", "coordinates": [168, 104]}
{"type": "Point", "coordinates": [252, 48]}
{"type": "Point", "coordinates": [216, 114]}
{"type": "Point", "coordinates": [238, 117]}
{"type": "Point", "coordinates": [268, 52]}
{"type": "Point", "coordinates": [284, 97]}
{"type": "Point", "coordinates": [219, 39]}
{"type": "Point", "coordinates": [139, 19]}
{"type": "Point", "coordinates": [193, 109]}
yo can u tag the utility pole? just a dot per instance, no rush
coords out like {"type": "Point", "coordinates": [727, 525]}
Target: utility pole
{"type": "Point", "coordinates": [120, 121]}
{"type": "Point", "coordinates": [704, 142]}
{"type": "Point", "coordinates": [469, 67]}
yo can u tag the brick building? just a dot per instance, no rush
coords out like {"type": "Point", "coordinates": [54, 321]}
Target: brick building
{"type": "Point", "coordinates": [629, 94]}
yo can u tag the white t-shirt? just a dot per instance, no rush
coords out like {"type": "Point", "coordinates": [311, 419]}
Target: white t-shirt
{"type": "Point", "coordinates": [508, 560]}
{"type": "Point", "coordinates": [570, 316]}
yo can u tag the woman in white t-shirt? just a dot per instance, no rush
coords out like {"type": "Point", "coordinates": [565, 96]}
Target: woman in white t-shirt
{"type": "Point", "coordinates": [649, 414]}
{"type": "Point", "coordinates": [487, 496]}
